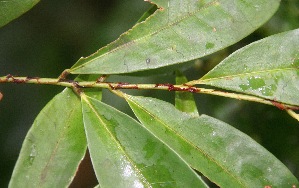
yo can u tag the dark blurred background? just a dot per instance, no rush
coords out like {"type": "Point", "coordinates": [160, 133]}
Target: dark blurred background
{"type": "Point", "coordinates": [55, 34]}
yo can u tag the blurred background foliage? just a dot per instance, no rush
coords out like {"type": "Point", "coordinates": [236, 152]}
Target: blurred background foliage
{"type": "Point", "coordinates": [55, 34]}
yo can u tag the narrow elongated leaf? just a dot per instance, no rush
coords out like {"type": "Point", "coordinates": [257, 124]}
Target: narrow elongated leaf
{"type": "Point", "coordinates": [54, 146]}
{"type": "Point", "coordinates": [9, 9]}
{"type": "Point", "coordinates": [268, 68]}
{"type": "Point", "coordinates": [124, 154]}
{"type": "Point", "coordinates": [184, 101]}
{"type": "Point", "coordinates": [177, 32]}
{"type": "Point", "coordinates": [225, 155]}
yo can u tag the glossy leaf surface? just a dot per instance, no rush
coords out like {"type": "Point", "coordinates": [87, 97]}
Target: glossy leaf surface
{"type": "Point", "coordinates": [268, 68]}
{"type": "Point", "coordinates": [184, 101]}
{"type": "Point", "coordinates": [124, 154]}
{"type": "Point", "coordinates": [54, 146]}
{"type": "Point", "coordinates": [177, 32]}
{"type": "Point", "coordinates": [220, 152]}
{"type": "Point", "coordinates": [9, 10]}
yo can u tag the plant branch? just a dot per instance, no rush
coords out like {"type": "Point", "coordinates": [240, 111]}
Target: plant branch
{"type": "Point", "coordinates": [293, 114]}
{"type": "Point", "coordinates": [120, 85]}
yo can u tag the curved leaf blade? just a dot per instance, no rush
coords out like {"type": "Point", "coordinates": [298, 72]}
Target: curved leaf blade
{"type": "Point", "coordinates": [10, 10]}
{"type": "Point", "coordinates": [268, 68]}
{"type": "Point", "coordinates": [225, 155]}
{"type": "Point", "coordinates": [54, 146]}
{"type": "Point", "coordinates": [178, 32]}
{"type": "Point", "coordinates": [124, 154]}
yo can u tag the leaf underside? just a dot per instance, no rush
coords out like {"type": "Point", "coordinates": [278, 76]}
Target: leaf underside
{"type": "Point", "coordinates": [225, 155]}
{"type": "Point", "coordinates": [177, 32]}
{"type": "Point", "coordinates": [124, 154]}
{"type": "Point", "coordinates": [268, 68]}
{"type": "Point", "coordinates": [54, 146]}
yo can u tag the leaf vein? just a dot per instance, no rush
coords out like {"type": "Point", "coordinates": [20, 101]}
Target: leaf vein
{"type": "Point", "coordinates": [139, 174]}
{"type": "Point", "coordinates": [208, 5]}
{"type": "Point", "coordinates": [190, 143]}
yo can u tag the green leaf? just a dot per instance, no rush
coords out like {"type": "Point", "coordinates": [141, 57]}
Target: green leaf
{"type": "Point", "coordinates": [177, 32]}
{"type": "Point", "coordinates": [148, 13]}
{"type": "Point", "coordinates": [184, 101]}
{"type": "Point", "coordinates": [268, 68]}
{"type": "Point", "coordinates": [95, 93]}
{"type": "Point", "coordinates": [10, 10]}
{"type": "Point", "coordinates": [225, 155]}
{"type": "Point", "coordinates": [54, 146]}
{"type": "Point", "coordinates": [124, 154]}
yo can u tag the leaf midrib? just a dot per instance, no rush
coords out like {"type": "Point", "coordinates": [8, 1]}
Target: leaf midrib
{"type": "Point", "coordinates": [141, 38]}
{"type": "Point", "coordinates": [192, 145]}
{"type": "Point", "coordinates": [144, 180]}
{"type": "Point", "coordinates": [57, 145]}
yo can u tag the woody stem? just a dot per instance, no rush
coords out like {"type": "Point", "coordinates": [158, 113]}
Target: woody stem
{"type": "Point", "coordinates": [115, 86]}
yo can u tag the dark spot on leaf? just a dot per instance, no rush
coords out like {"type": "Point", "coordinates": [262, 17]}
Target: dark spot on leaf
{"type": "Point", "coordinates": [148, 60]}
{"type": "Point", "coordinates": [210, 45]}
{"type": "Point", "coordinates": [296, 63]}
{"type": "Point", "coordinates": [149, 149]}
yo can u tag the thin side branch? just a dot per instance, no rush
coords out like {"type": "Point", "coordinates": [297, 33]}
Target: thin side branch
{"type": "Point", "coordinates": [293, 114]}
